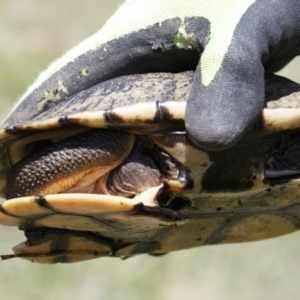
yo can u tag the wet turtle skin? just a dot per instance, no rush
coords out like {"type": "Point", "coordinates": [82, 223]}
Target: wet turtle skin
{"type": "Point", "coordinates": [245, 193]}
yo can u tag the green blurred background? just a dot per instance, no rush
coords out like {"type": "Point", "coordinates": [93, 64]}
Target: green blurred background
{"type": "Point", "coordinates": [32, 34]}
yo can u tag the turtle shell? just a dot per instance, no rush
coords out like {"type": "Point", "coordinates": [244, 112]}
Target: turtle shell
{"type": "Point", "coordinates": [248, 192]}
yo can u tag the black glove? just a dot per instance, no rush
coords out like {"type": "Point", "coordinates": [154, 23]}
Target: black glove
{"type": "Point", "coordinates": [236, 41]}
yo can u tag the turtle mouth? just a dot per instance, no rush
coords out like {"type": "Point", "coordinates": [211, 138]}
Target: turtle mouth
{"type": "Point", "coordinates": [97, 161]}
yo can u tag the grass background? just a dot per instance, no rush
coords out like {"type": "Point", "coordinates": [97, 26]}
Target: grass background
{"type": "Point", "coordinates": [32, 34]}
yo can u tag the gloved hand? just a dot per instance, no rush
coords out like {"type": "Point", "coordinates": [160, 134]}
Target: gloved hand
{"type": "Point", "coordinates": [230, 43]}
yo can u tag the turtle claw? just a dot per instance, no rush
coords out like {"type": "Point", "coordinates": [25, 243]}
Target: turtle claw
{"type": "Point", "coordinates": [149, 197]}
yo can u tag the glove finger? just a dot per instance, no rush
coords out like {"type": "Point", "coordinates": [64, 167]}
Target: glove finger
{"type": "Point", "coordinates": [218, 114]}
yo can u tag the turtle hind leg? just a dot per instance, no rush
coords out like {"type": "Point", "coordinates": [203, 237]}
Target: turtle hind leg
{"type": "Point", "coordinates": [58, 167]}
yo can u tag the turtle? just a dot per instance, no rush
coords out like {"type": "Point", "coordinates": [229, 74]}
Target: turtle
{"type": "Point", "coordinates": [110, 172]}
